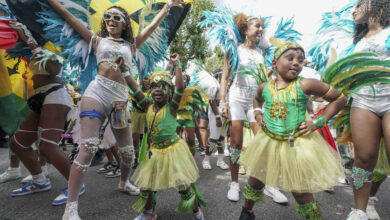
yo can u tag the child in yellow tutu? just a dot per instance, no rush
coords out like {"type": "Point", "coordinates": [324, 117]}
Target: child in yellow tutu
{"type": "Point", "coordinates": [169, 163]}
{"type": "Point", "coordinates": [286, 152]}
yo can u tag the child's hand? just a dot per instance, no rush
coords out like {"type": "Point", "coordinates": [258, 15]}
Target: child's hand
{"type": "Point", "coordinates": [174, 58]}
{"type": "Point", "coordinates": [307, 127]}
{"type": "Point", "coordinates": [260, 120]}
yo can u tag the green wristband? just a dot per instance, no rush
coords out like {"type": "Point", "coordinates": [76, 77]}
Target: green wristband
{"type": "Point", "coordinates": [178, 93]}
{"type": "Point", "coordinates": [137, 91]}
{"type": "Point", "coordinates": [178, 64]}
{"type": "Point", "coordinates": [142, 100]}
{"type": "Point", "coordinates": [320, 121]}
{"type": "Point", "coordinates": [175, 102]}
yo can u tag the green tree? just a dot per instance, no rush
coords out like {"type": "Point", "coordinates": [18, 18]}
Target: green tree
{"type": "Point", "coordinates": [190, 41]}
{"type": "Point", "coordinates": [215, 62]}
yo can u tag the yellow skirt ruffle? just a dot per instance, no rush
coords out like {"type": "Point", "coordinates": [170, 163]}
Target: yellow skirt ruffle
{"type": "Point", "coordinates": [382, 165]}
{"type": "Point", "coordinates": [172, 167]}
{"type": "Point", "coordinates": [138, 122]}
{"type": "Point", "coordinates": [308, 167]}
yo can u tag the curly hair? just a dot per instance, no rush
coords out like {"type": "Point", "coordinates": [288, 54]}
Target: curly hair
{"type": "Point", "coordinates": [384, 19]}
{"type": "Point", "coordinates": [242, 23]}
{"type": "Point", "coordinates": [127, 34]}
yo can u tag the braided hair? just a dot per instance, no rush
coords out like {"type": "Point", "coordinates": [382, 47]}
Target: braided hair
{"type": "Point", "coordinates": [127, 34]}
{"type": "Point", "coordinates": [373, 12]}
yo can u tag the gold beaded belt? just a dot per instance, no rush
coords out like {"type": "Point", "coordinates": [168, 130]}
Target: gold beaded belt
{"type": "Point", "coordinates": [166, 143]}
{"type": "Point", "coordinates": [280, 137]}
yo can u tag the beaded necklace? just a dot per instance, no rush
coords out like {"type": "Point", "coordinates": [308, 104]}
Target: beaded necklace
{"type": "Point", "coordinates": [279, 109]}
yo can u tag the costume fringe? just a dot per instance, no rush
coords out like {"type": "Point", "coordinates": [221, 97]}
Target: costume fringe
{"type": "Point", "coordinates": [309, 211]}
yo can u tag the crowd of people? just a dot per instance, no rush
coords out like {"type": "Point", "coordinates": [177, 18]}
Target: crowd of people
{"type": "Point", "coordinates": [269, 119]}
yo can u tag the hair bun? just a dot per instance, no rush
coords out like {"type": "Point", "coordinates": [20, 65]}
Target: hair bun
{"type": "Point", "coordinates": [241, 21]}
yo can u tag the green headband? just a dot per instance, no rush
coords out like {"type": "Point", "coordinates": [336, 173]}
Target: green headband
{"type": "Point", "coordinates": [286, 46]}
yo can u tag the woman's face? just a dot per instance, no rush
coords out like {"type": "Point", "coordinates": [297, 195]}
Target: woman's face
{"type": "Point", "coordinates": [115, 21]}
{"type": "Point", "coordinates": [360, 14]}
{"type": "Point", "coordinates": [255, 30]}
{"type": "Point", "coordinates": [290, 64]}
{"type": "Point", "coordinates": [160, 91]}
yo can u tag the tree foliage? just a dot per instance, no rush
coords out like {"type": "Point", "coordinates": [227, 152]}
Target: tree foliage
{"type": "Point", "coordinates": [215, 62]}
{"type": "Point", "coordinates": [190, 41]}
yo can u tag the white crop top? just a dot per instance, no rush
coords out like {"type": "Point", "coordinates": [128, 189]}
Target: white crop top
{"type": "Point", "coordinates": [108, 51]}
{"type": "Point", "coordinates": [249, 61]}
{"type": "Point", "coordinates": [375, 44]}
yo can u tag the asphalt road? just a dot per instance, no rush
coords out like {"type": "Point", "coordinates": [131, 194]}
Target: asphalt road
{"type": "Point", "coordinates": [102, 200]}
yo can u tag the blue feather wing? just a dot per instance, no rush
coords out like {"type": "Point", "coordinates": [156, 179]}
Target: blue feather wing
{"type": "Point", "coordinates": [335, 32]}
{"type": "Point", "coordinates": [80, 61]}
{"type": "Point", "coordinates": [224, 32]}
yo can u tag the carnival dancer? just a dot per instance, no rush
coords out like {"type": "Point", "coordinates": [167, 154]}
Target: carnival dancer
{"type": "Point", "coordinates": [369, 113]}
{"type": "Point", "coordinates": [186, 120]}
{"type": "Point", "coordinates": [169, 162]}
{"type": "Point", "coordinates": [42, 124]}
{"type": "Point", "coordinates": [107, 94]}
{"type": "Point", "coordinates": [210, 119]}
{"type": "Point", "coordinates": [287, 153]}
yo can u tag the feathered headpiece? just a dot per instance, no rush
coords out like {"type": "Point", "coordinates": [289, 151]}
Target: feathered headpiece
{"type": "Point", "coordinates": [160, 75]}
{"type": "Point", "coordinates": [284, 46]}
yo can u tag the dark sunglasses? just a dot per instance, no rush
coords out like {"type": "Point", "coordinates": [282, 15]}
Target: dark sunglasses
{"type": "Point", "coordinates": [116, 18]}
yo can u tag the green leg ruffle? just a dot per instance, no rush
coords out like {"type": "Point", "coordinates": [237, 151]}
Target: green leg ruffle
{"type": "Point", "coordinates": [253, 194]}
{"type": "Point", "coordinates": [142, 199]}
{"type": "Point", "coordinates": [187, 203]}
{"type": "Point", "coordinates": [378, 177]}
{"type": "Point", "coordinates": [309, 211]}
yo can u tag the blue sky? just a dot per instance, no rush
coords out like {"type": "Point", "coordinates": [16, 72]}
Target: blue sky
{"type": "Point", "coordinates": [307, 13]}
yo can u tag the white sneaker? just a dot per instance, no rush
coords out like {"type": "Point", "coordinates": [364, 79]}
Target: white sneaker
{"type": "Point", "coordinates": [71, 212]}
{"type": "Point", "coordinates": [357, 214]}
{"type": "Point", "coordinates": [371, 211]}
{"type": "Point", "coordinates": [206, 164]}
{"type": "Point", "coordinates": [226, 152]}
{"type": "Point", "coordinates": [10, 174]}
{"type": "Point", "coordinates": [29, 177]}
{"type": "Point", "coordinates": [242, 170]}
{"type": "Point", "coordinates": [221, 164]}
{"type": "Point", "coordinates": [129, 188]}
{"type": "Point", "coordinates": [275, 194]}
{"type": "Point", "coordinates": [234, 192]}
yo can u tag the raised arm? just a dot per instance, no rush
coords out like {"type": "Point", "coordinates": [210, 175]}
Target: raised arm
{"type": "Point", "coordinates": [52, 67]}
{"type": "Point", "coordinates": [179, 84]}
{"type": "Point", "coordinates": [148, 30]}
{"type": "Point", "coordinates": [224, 84]}
{"type": "Point", "coordinates": [75, 23]}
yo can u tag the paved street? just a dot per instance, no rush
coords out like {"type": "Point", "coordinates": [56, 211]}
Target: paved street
{"type": "Point", "coordinates": [102, 200]}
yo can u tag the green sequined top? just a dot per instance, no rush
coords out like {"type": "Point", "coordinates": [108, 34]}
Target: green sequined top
{"type": "Point", "coordinates": [283, 111]}
{"type": "Point", "coordinates": [163, 131]}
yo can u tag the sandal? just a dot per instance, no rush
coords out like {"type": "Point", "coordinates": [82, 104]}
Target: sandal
{"type": "Point", "coordinates": [114, 173]}
{"type": "Point", "coordinates": [107, 167]}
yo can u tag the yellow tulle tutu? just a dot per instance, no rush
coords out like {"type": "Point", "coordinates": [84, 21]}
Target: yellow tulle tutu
{"type": "Point", "coordinates": [172, 167]}
{"type": "Point", "coordinates": [308, 167]}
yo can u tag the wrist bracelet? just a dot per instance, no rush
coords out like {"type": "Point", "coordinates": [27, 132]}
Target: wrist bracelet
{"type": "Point", "coordinates": [177, 64]}
{"type": "Point", "coordinates": [218, 116]}
{"type": "Point", "coordinates": [320, 121]}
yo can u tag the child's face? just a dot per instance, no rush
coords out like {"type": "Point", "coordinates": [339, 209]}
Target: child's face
{"type": "Point", "coordinates": [290, 64]}
{"type": "Point", "coordinates": [160, 92]}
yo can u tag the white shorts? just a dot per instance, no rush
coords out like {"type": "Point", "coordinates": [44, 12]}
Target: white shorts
{"type": "Point", "coordinates": [215, 132]}
{"type": "Point", "coordinates": [106, 91]}
{"type": "Point", "coordinates": [58, 97]}
{"type": "Point", "coordinates": [378, 103]}
{"type": "Point", "coordinates": [241, 103]}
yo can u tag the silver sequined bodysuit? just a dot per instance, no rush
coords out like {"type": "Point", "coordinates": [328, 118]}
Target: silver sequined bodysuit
{"type": "Point", "coordinates": [108, 51]}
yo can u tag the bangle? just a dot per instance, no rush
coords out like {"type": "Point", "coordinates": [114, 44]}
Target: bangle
{"type": "Point", "coordinates": [320, 121]}
{"type": "Point", "coordinates": [178, 93]}
{"type": "Point", "coordinates": [258, 110]}
{"type": "Point", "coordinates": [178, 64]}
{"type": "Point", "coordinates": [218, 116]}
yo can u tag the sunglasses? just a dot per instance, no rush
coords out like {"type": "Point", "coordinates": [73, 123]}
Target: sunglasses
{"type": "Point", "coordinates": [116, 18]}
